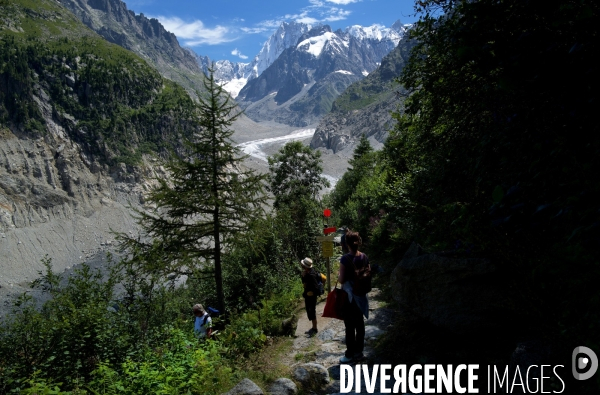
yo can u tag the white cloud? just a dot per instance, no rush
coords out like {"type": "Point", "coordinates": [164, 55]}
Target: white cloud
{"type": "Point", "coordinates": [306, 19]}
{"type": "Point", "coordinates": [318, 11]}
{"type": "Point", "coordinates": [256, 30]}
{"type": "Point", "coordinates": [336, 14]}
{"type": "Point", "coordinates": [265, 26]}
{"type": "Point", "coordinates": [324, 14]}
{"type": "Point", "coordinates": [302, 18]}
{"type": "Point", "coordinates": [342, 2]}
{"type": "Point", "coordinates": [237, 53]}
{"type": "Point", "coordinates": [195, 32]}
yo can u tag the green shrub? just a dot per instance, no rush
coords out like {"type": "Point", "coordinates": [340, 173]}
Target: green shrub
{"type": "Point", "coordinates": [179, 365]}
{"type": "Point", "coordinates": [86, 338]}
{"type": "Point", "coordinates": [247, 333]}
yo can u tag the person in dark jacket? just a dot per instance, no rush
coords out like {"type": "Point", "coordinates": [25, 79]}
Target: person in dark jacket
{"type": "Point", "coordinates": [358, 305]}
{"type": "Point", "coordinates": [310, 282]}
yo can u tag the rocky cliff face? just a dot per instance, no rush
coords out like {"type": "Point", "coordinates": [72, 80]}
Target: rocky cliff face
{"type": "Point", "coordinates": [145, 37]}
{"type": "Point", "coordinates": [366, 106]}
{"type": "Point", "coordinates": [55, 201]}
{"type": "Point", "coordinates": [341, 132]}
{"type": "Point", "coordinates": [71, 116]}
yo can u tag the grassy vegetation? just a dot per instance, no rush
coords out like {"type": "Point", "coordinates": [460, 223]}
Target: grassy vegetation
{"type": "Point", "coordinates": [41, 20]}
{"type": "Point", "coordinates": [268, 365]}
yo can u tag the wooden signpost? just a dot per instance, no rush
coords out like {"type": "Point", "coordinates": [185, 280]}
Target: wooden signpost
{"type": "Point", "coordinates": [327, 246]}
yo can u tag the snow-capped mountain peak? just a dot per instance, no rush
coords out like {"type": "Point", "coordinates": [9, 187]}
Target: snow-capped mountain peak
{"type": "Point", "coordinates": [233, 76]}
{"type": "Point", "coordinates": [378, 32]}
{"type": "Point", "coordinates": [374, 32]}
{"type": "Point", "coordinates": [304, 37]}
{"type": "Point", "coordinates": [286, 36]}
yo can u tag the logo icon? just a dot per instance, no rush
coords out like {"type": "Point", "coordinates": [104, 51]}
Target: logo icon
{"type": "Point", "coordinates": [580, 363]}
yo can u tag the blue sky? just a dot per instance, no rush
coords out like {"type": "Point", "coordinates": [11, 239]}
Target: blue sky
{"type": "Point", "coordinates": [237, 29]}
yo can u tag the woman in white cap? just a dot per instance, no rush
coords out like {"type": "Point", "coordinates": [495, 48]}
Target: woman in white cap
{"type": "Point", "coordinates": [310, 282]}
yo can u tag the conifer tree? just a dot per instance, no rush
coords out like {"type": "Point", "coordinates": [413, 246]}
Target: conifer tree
{"type": "Point", "coordinates": [208, 197]}
{"type": "Point", "coordinates": [362, 164]}
{"type": "Point", "coordinates": [363, 148]}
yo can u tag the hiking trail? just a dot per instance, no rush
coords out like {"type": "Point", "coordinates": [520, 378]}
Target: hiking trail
{"type": "Point", "coordinates": [328, 345]}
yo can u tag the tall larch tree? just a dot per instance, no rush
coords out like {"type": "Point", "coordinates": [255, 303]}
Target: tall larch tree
{"type": "Point", "coordinates": [208, 197]}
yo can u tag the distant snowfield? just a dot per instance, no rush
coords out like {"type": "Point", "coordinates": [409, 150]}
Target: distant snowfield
{"type": "Point", "coordinates": [235, 86]}
{"type": "Point", "coordinates": [253, 148]}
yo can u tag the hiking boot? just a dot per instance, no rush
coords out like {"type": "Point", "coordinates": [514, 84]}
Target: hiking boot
{"type": "Point", "coordinates": [346, 359]}
{"type": "Point", "coordinates": [311, 332]}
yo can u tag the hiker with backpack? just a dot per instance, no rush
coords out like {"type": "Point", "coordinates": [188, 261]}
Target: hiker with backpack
{"type": "Point", "coordinates": [313, 287]}
{"type": "Point", "coordinates": [355, 277]}
{"type": "Point", "coordinates": [202, 323]}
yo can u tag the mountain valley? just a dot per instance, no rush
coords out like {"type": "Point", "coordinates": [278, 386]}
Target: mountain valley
{"type": "Point", "coordinates": [80, 147]}
{"type": "Point", "coordinates": [162, 168]}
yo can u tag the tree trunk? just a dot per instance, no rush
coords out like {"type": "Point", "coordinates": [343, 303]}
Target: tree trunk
{"type": "Point", "coordinates": [218, 269]}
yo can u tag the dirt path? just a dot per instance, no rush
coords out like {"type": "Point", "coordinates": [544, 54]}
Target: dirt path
{"type": "Point", "coordinates": [328, 346]}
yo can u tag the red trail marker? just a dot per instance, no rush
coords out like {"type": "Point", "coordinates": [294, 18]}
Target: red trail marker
{"type": "Point", "coordinates": [329, 230]}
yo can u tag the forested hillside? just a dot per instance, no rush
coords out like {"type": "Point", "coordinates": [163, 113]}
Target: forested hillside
{"type": "Point", "coordinates": [143, 36]}
{"type": "Point", "coordinates": [108, 99]}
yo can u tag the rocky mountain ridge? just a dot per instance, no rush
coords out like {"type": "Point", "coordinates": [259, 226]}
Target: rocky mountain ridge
{"type": "Point", "coordinates": [301, 85]}
{"type": "Point", "coordinates": [235, 75]}
{"type": "Point", "coordinates": [365, 107]}
{"type": "Point", "coordinates": [146, 37]}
